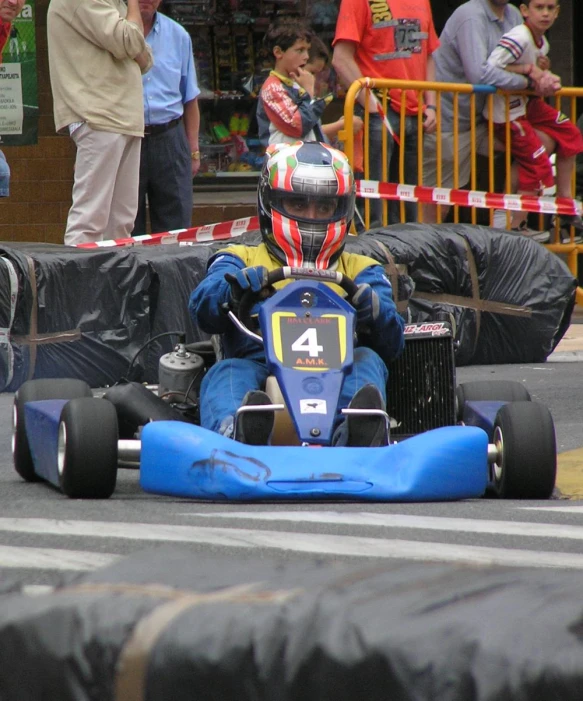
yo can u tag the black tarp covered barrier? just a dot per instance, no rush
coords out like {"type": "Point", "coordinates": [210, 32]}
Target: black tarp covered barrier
{"type": "Point", "coordinates": [511, 298]}
{"type": "Point", "coordinates": [69, 312]}
{"type": "Point", "coordinates": [77, 313]}
{"type": "Point", "coordinates": [173, 624]}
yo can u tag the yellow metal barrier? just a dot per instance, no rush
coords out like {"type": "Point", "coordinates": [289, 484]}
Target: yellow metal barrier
{"type": "Point", "coordinates": [377, 90]}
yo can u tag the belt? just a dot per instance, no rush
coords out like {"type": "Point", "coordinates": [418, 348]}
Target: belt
{"type": "Point", "coordinates": [153, 129]}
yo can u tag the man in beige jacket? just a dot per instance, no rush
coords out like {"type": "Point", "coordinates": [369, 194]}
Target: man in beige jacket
{"type": "Point", "coordinates": [97, 53]}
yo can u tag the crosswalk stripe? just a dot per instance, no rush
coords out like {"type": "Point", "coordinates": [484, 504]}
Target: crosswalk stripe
{"type": "Point", "coordinates": [563, 509]}
{"type": "Point", "coordinates": [53, 559]}
{"type": "Point", "coordinates": [338, 545]}
{"type": "Point", "coordinates": [431, 523]}
{"type": "Point", "coordinates": [37, 589]}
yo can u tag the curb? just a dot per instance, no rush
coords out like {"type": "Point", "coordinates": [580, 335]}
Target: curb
{"type": "Point", "coordinates": [570, 347]}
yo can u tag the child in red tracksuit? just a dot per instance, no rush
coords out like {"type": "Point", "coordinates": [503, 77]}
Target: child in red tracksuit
{"type": "Point", "coordinates": [523, 50]}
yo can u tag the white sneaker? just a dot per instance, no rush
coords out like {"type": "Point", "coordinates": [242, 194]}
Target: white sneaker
{"type": "Point", "coordinates": [566, 222]}
{"type": "Point", "coordinates": [499, 219]}
{"type": "Point", "coordinates": [539, 236]}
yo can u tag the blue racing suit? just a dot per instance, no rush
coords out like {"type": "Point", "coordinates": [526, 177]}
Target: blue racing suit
{"type": "Point", "coordinates": [244, 367]}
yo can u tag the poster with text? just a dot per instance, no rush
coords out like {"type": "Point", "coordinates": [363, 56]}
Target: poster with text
{"type": "Point", "coordinates": [18, 80]}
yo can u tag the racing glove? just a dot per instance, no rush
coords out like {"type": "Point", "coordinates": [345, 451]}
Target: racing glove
{"type": "Point", "coordinates": [253, 279]}
{"type": "Point", "coordinates": [367, 305]}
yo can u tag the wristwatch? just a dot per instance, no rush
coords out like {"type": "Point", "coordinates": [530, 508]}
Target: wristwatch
{"type": "Point", "coordinates": [195, 155]}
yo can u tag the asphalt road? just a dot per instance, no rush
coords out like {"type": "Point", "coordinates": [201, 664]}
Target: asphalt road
{"type": "Point", "coordinates": [46, 539]}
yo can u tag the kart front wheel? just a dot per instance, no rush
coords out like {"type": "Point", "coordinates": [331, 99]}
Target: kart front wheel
{"type": "Point", "coordinates": [489, 391]}
{"type": "Point", "coordinates": [87, 449]}
{"type": "Point", "coordinates": [526, 467]}
{"type": "Point", "coordinates": [33, 391]}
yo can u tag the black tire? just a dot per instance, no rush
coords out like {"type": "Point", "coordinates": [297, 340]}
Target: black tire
{"type": "Point", "coordinates": [526, 468]}
{"type": "Point", "coordinates": [31, 391]}
{"type": "Point", "coordinates": [489, 391]}
{"type": "Point", "coordinates": [87, 454]}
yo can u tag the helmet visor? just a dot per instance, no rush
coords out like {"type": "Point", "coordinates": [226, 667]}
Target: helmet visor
{"type": "Point", "coordinates": [315, 208]}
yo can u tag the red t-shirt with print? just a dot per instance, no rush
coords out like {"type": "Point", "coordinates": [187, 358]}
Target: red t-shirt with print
{"type": "Point", "coordinates": [394, 39]}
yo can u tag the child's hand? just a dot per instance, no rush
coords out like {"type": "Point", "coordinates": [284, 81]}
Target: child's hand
{"type": "Point", "coordinates": [305, 79]}
{"type": "Point", "coordinates": [357, 124]}
{"type": "Point", "coordinates": [548, 84]}
{"type": "Point", "coordinates": [544, 63]}
{"type": "Point", "coordinates": [536, 73]}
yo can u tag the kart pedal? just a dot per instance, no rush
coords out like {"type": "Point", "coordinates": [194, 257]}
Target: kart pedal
{"type": "Point", "coordinates": [366, 429]}
{"type": "Point", "coordinates": [253, 425]}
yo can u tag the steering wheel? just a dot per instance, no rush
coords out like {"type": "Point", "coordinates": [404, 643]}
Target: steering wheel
{"type": "Point", "coordinates": [250, 298]}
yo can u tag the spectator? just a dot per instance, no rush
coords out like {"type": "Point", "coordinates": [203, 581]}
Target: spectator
{"type": "Point", "coordinates": [170, 156]}
{"type": "Point", "coordinates": [97, 51]}
{"type": "Point", "coordinates": [306, 189]}
{"type": "Point", "coordinates": [288, 109]}
{"type": "Point", "coordinates": [318, 60]}
{"type": "Point", "coordinates": [318, 63]}
{"type": "Point", "coordinates": [520, 51]}
{"type": "Point", "coordinates": [468, 38]}
{"type": "Point", "coordinates": [9, 10]}
{"type": "Point", "coordinates": [389, 40]}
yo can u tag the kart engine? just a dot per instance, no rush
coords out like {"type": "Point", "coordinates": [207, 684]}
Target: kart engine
{"type": "Point", "coordinates": [179, 375]}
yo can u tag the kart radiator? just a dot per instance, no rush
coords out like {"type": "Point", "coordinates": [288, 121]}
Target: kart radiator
{"type": "Point", "coordinates": [421, 390]}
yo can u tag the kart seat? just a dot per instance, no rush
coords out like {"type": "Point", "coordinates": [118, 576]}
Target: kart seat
{"type": "Point", "coordinates": [284, 431]}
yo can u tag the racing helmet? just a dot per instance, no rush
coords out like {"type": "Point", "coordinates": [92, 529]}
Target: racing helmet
{"type": "Point", "coordinates": [306, 200]}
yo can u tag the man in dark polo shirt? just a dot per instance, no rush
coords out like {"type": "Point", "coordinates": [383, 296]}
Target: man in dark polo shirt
{"type": "Point", "coordinates": [170, 155]}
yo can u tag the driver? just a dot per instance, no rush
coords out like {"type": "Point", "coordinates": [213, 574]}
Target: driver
{"type": "Point", "coordinates": [306, 200]}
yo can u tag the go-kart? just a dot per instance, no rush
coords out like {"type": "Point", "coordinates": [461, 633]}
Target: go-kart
{"type": "Point", "coordinates": [445, 443]}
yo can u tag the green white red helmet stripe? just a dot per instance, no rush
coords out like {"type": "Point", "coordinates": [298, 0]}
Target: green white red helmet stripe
{"type": "Point", "coordinates": [281, 172]}
{"type": "Point", "coordinates": [342, 171]}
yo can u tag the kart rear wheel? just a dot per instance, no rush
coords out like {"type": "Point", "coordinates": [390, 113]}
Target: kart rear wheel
{"type": "Point", "coordinates": [526, 468]}
{"type": "Point", "coordinates": [31, 391]}
{"type": "Point", "coordinates": [489, 391]}
{"type": "Point", "coordinates": [87, 449]}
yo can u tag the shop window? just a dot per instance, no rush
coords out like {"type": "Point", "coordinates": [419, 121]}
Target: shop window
{"type": "Point", "coordinates": [231, 66]}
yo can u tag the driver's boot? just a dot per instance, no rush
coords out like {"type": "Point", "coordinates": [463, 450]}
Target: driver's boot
{"type": "Point", "coordinates": [254, 427]}
{"type": "Point", "coordinates": [367, 431]}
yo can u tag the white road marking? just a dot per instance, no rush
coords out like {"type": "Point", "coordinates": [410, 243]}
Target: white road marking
{"type": "Point", "coordinates": [296, 542]}
{"type": "Point", "coordinates": [37, 589]}
{"type": "Point", "coordinates": [428, 523]}
{"type": "Point", "coordinates": [53, 559]}
{"type": "Point", "coordinates": [563, 509]}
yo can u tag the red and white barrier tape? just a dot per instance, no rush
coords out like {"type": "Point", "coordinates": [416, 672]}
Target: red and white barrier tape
{"type": "Point", "coordinates": [373, 189]}
{"type": "Point", "coordinates": [381, 112]}
{"type": "Point", "coordinates": [198, 234]}
{"type": "Point", "coordinates": [370, 189]}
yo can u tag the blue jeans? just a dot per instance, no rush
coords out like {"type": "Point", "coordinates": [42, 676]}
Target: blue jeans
{"type": "Point", "coordinates": [226, 383]}
{"type": "Point", "coordinates": [4, 176]}
{"type": "Point", "coordinates": [376, 128]}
